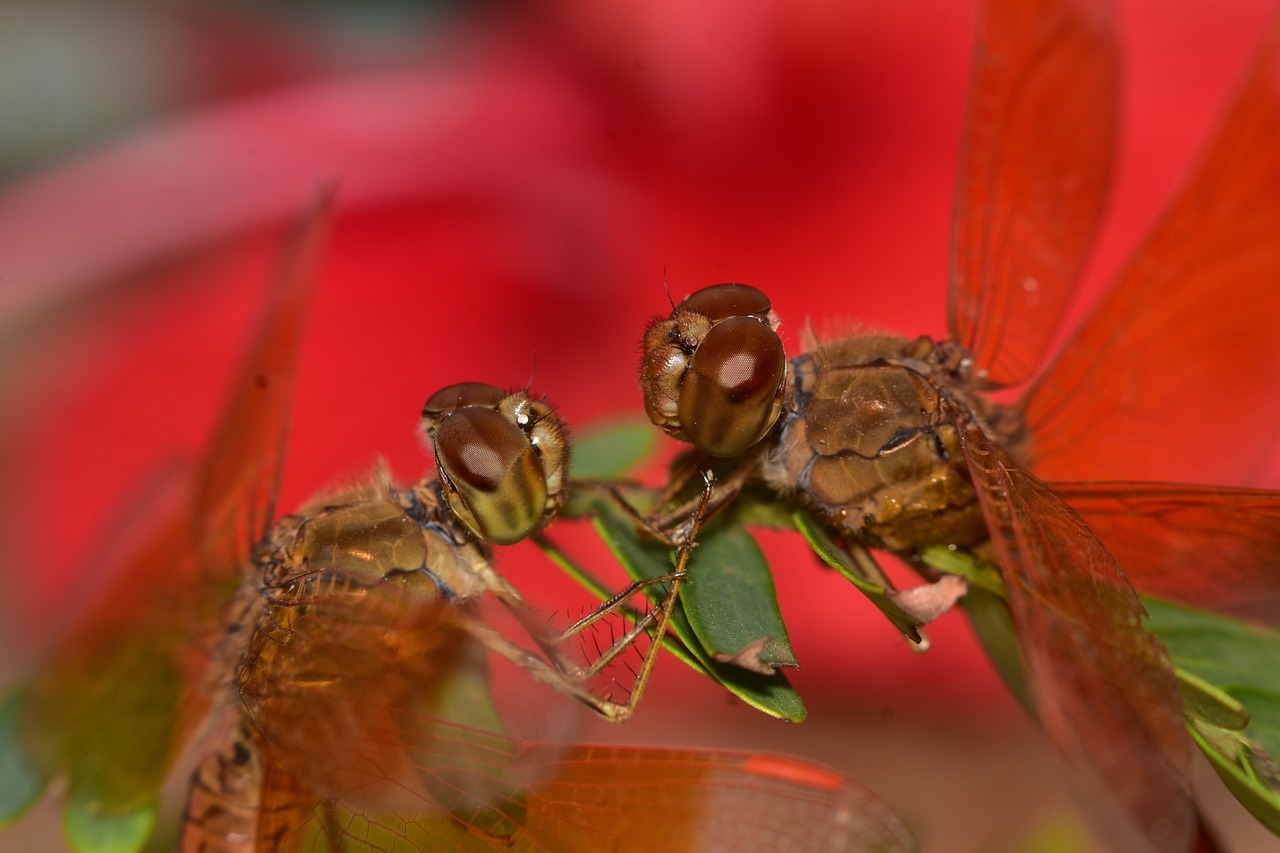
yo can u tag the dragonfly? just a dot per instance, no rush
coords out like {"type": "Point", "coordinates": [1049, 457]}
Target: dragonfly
{"type": "Point", "coordinates": [1096, 476]}
{"type": "Point", "coordinates": [330, 669]}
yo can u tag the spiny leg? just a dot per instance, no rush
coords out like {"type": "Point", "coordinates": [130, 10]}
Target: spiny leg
{"type": "Point", "coordinates": [676, 525]}
{"type": "Point", "coordinates": [642, 621]}
{"type": "Point", "coordinates": [569, 679]}
{"type": "Point", "coordinates": [669, 601]}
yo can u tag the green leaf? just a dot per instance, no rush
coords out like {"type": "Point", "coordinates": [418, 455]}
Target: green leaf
{"type": "Point", "coordinates": [1264, 715]}
{"type": "Point", "coordinates": [875, 589]}
{"type": "Point", "coordinates": [21, 783]}
{"type": "Point", "coordinates": [1202, 701]}
{"type": "Point", "coordinates": [1235, 762]}
{"type": "Point", "coordinates": [1231, 669]}
{"type": "Point", "coordinates": [645, 558]}
{"type": "Point", "coordinates": [91, 830]}
{"type": "Point", "coordinates": [609, 451]}
{"type": "Point", "coordinates": [757, 507]}
{"type": "Point", "coordinates": [1219, 649]}
{"type": "Point", "coordinates": [988, 614]}
{"type": "Point", "coordinates": [731, 602]}
{"type": "Point", "coordinates": [967, 566]}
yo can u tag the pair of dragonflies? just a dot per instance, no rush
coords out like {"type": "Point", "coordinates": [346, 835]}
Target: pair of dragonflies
{"type": "Point", "coordinates": [356, 665]}
{"type": "Point", "coordinates": [341, 658]}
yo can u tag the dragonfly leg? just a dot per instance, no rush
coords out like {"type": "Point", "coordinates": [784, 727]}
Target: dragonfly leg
{"type": "Point", "coordinates": [649, 523]}
{"type": "Point", "coordinates": [662, 614]}
{"type": "Point", "coordinates": [548, 673]}
{"type": "Point", "coordinates": [642, 621]}
{"type": "Point", "coordinates": [676, 525]}
{"type": "Point", "coordinates": [567, 677]}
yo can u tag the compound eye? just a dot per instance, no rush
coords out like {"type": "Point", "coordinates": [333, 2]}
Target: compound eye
{"type": "Point", "coordinates": [460, 396]}
{"type": "Point", "coordinates": [732, 392]}
{"type": "Point", "coordinates": [493, 478]}
{"type": "Point", "coordinates": [721, 301]}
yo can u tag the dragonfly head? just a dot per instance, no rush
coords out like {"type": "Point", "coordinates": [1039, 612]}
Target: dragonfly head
{"type": "Point", "coordinates": [714, 372]}
{"type": "Point", "coordinates": [503, 458]}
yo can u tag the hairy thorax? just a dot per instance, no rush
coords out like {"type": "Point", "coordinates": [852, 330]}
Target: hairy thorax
{"type": "Point", "coordinates": [870, 441]}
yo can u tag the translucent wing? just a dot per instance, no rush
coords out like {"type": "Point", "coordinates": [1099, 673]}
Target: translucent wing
{"type": "Point", "coordinates": [618, 798]}
{"type": "Point", "coordinates": [115, 701]}
{"type": "Point", "coordinates": [1202, 545]}
{"type": "Point", "coordinates": [239, 479]}
{"type": "Point", "coordinates": [1102, 684]}
{"type": "Point", "coordinates": [354, 691]}
{"type": "Point", "coordinates": [375, 699]}
{"type": "Point", "coordinates": [594, 797]}
{"type": "Point", "coordinates": [1186, 341]}
{"type": "Point", "coordinates": [1034, 176]}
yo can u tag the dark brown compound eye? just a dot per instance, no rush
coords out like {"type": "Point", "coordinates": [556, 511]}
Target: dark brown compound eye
{"type": "Point", "coordinates": [493, 477]}
{"type": "Point", "coordinates": [732, 392]}
{"type": "Point", "coordinates": [460, 396]}
{"type": "Point", "coordinates": [503, 458]}
{"type": "Point", "coordinates": [721, 301]}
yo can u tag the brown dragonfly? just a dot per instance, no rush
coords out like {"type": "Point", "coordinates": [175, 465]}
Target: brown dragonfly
{"type": "Point", "coordinates": [1074, 491]}
{"type": "Point", "coordinates": [337, 661]}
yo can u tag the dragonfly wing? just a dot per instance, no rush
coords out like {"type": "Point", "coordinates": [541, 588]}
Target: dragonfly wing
{"type": "Point", "coordinates": [360, 693]}
{"type": "Point", "coordinates": [1202, 545]}
{"type": "Point", "coordinates": [376, 699]}
{"type": "Point", "coordinates": [578, 797]}
{"type": "Point", "coordinates": [287, 811]}
{"type": "Point", "coordinates": [1034, 175]}
{"type": "Point", "coordinates": [619, 798]}
{"type": "Point", "coordinates": [109, 708]}
{"type": "Point", "coordinates": [121, 692]}
{"type": "Point", "coordinates": [240, 477]}
{"type": "Point", "coordinates": [1102, 684]}
{"type": "Point", "coordinates": [1186, 339]}
{"type": "Point", "coordinates": [599, 797]}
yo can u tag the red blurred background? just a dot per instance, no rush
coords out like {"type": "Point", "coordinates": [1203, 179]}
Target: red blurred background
{"type": "Point", "coordinates": [513, 182]}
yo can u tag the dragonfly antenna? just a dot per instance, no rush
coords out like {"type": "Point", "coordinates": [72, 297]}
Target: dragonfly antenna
{"type": "Point", "coordinates": [533, 372]}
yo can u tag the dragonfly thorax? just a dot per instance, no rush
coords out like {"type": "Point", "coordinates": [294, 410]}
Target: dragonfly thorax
{"type": "Point", "coordinates": [871, 444]}
{"type": "Point", "coordinates": [377, 538]}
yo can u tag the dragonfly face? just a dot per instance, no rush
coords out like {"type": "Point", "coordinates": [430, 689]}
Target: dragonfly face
{"type": "Point", "coordinates": [714, 373]}
{"type": "Point", "coordinates": [503, 459]}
